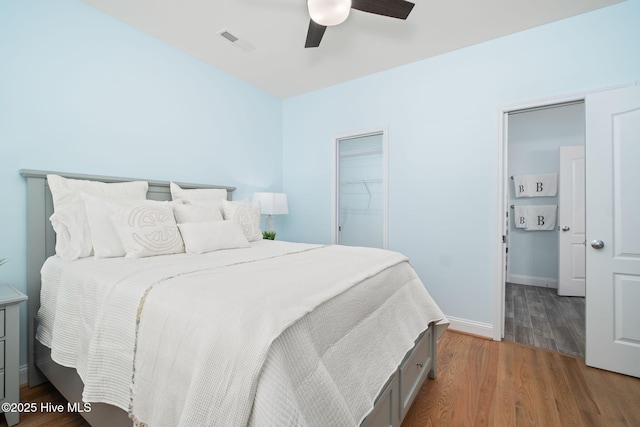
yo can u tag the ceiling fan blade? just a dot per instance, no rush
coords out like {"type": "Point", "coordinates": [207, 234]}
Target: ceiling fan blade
{"type": "Point", "coordinates": [314, 34]}
{"type": "Point", "coordinates": [392, 8]}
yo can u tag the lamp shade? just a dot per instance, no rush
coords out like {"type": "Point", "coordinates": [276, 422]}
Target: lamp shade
{"type": "Point", "coordinates": [272, 203]}
{"type": "Point", "coordinates": [329, 12]}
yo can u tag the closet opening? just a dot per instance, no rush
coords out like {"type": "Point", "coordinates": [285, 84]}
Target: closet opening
{"type": "Point", "coordinates": [544, 228]}
{"type": "Point", "coordinates": [360, 189]}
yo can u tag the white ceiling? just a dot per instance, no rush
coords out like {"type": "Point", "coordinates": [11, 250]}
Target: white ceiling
{"type": "Point", "coordinates": [362, 45]}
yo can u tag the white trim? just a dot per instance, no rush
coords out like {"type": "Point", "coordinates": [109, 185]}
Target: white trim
{"type": "Point", "coordinates": [385, 187]}
{"type": "Point", "coordinates": [335, 191]}
{"type": "Point", "coordinates": [560, 99]}
{"type": "Point", "coordinates": [544, 282]}
{"type": "Point", "coordinates": [499, 256]}
{"type": "Point", "coordinates": [501, 196]}
{"type": "Point", "coordinates": [471, 327]}
{"type": "Point", "coordinates": [23, 376]}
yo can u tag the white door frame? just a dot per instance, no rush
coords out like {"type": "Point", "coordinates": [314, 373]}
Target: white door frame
{"type": "Point", "coordinates": [335, 185]}
{"type": "Point", "coordinates": [503, 193]}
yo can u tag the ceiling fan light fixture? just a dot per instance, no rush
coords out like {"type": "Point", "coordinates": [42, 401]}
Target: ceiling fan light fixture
{"type": "Point", "coordinates": [329, 12]}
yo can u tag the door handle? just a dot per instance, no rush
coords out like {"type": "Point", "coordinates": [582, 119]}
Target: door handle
{"type": "Point", "coordinates": [565, 228]}
{"type": "Point", "coordinates": [597, 244]}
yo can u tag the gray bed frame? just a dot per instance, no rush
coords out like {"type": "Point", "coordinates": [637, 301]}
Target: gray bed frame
{"type": "Point", "coordinates": [391, 405]}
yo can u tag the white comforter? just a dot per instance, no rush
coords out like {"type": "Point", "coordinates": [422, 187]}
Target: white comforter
{"type": "Point", "coordinates": [278, 333]}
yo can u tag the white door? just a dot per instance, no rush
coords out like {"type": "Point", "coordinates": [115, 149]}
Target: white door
{"type": "Point", "coordinates": [571, 219]}
{"type": "Point", "coordinates": [613, 230]}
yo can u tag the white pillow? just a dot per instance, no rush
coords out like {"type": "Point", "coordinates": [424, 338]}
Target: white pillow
{"type": "Point", "coordinates": [106, 241]}
{"type": "Point", "coordinates": [73, 238]}
{"type": "Point", "coordinates": [202, 237]}
{"type": "Point", "coordinates": [65, 190]}
{"type": "Point", "coordinates": [105, 237]}
{"type": "Point", "coordinates": [178, 193]}
{"type": "Point", "coordinates": [247, 215]}
{"type": "Point", "coordinates": [198, 212]}
{"type": "Point", "coordinates": [148, 229]}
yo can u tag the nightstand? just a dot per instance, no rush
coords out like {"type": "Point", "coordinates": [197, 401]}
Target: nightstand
{"type": "Point", "coordinates": [10, 300]}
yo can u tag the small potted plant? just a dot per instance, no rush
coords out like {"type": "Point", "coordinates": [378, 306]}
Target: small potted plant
{"type": "Point", "coordinates": [269, 235]}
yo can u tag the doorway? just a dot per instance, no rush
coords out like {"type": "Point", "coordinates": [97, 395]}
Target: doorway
{"type": "Point", "coordinates": [534, 313]}
{"type": "Point", "coordinates": [612, 212]}
{"type": "Point", "coordinates": [360, 189]}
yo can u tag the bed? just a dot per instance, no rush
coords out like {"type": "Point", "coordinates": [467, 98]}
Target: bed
{"type": "Point", "coordinates": [351, 347]}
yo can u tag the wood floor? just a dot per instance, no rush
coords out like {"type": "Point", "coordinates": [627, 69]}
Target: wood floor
{"type": "Point", "coordinates": [488, 383]}
{"type": "Point", "coordinates": [482, 383]}
{"type": "Point", "coordinates": [540, 317]}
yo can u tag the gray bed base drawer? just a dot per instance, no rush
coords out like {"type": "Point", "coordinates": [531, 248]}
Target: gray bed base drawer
{"type": "Point", "coordinates": [403, 386]}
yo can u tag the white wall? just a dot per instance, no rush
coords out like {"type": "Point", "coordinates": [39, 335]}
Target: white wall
{"type": "Point", "coordinates": [443, 118]}
{"type": "Point", "coordinates": [535, 138]}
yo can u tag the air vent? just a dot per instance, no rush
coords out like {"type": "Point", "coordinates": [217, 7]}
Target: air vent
{"type": "Point", "coordinates": [243, 45]}
{"type": "Point", "coordinates": [227, 35]}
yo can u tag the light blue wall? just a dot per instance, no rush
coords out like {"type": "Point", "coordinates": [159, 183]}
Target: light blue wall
{"type": "Point", "coordinates": [442, 115]}
{"type": "Point", "coordinates": [83, 92]}
{"type": "Point", "coordinates": [535, 138]}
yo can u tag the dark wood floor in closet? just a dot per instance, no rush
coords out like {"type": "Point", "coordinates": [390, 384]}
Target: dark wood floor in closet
{"type": "Point", "coordinates": [540, 317]}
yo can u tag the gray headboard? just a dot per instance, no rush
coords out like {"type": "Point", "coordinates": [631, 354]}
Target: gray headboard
{"type": "Point", "coordinates": [41, 237]}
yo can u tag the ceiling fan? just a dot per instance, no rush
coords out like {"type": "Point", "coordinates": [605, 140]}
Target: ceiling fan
{"type": "Point", "coordinates": [326, 13]}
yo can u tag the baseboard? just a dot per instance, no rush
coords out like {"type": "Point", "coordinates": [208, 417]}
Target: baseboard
{"type": "Point", "coordinates": [23, 376]}
{"type": "Point", "coordinates": [471, 327]}
{"type": "Point", "coordinates": [545, 282]}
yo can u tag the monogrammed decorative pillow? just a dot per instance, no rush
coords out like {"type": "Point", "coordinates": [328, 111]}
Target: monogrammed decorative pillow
{"type": "Point", "coordinates": [247, 215]}
{"type": "Point", "coordinates": [148, 230]}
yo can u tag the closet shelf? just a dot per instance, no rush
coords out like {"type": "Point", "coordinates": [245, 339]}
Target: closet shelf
{"type": "Point", "coordinates": [361, 181]}
{"type": "Point", "coordinates": [361, 152]}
